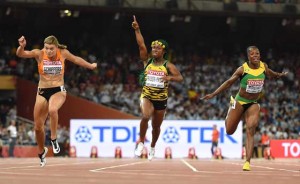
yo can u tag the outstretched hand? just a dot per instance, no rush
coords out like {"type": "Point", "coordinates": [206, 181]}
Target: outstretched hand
{"type": "Point", "coordinates": [135, 24]}
{"type": "Point", "coordinates": [283, 74]}
{"type": "Point", "coordinates": [22, 41]}
{"type": "Point", "coordinates": [93, 66]}
{"type": "Point", "coordinates": [207, 97]}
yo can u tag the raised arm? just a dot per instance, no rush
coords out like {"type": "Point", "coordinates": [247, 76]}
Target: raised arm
{"type": "Point", "coordinates": [140, 41]}
{"type": "Point", "coordinates": [78, 60]}
{"type": "Point", "coordinates": [239, 72]}
{"type": "Point", "coordinates": [270, 73]}
{"type": "Point", "coordinates": [25, 53]}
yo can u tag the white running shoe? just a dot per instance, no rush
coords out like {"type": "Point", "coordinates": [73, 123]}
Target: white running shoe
{"type": "Point", "coordinates": [42, 156]}
{"type": "Point", "coordinates": [151, 153]}
{"type": "Point", "coordinates": [139, 149]}
{"type": "Point", "coordinates": [55, 146]}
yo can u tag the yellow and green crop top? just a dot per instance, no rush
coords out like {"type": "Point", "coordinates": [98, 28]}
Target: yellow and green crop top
{"type": "Point", "coordinates": [154, 87]}
{"type": "Point", "coordinates": [253, 79]}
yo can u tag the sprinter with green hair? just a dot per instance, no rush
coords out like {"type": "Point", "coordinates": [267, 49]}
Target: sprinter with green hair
{"type": "Point", "coordinates": [158, 71]}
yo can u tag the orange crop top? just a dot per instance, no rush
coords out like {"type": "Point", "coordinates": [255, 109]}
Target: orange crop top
{"type": "Point", "coordinates": [48, 67]}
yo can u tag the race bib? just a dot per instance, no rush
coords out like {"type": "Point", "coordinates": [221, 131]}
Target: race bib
{"type": "Point", "coordinates": [52, 67]}
{"type": "Point", "coordinates": [154, 79]}
{"type": "Point", "coordinates": [254, 86]}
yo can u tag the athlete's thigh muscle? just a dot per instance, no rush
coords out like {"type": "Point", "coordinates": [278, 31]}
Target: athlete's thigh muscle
{"type": "Point", "coordinates": [57, 100]}
{"type": "Point", "coordinates": [40, 111]}
{"type": "Point", "coordinates": [233, 117]}
{"type": "Point", "coordinates": [252, 115]}
{"type": "Point", "coordinates": [146, 107]}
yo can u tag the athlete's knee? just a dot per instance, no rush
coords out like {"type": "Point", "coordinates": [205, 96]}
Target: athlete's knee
{"type": "Point", "coordinates": [251, 130]}
{"type": "Point", "coordinates": [156, 129]}
{"type": "Point", "coordinates": [146, 117]}
{"type": "Point", "coordinates": [231, 125]}
{"type": "Point", "coordinates": [53, 111]}
{"type": "Point", "coordinates": [229, 131]}
{"type": "Point", "coordinates": [156, 124]}
{"type": "Point", "coordinates": [38, 128]}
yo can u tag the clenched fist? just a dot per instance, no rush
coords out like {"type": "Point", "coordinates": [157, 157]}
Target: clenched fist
{"type": "Point", "coordinates": [22, 41]}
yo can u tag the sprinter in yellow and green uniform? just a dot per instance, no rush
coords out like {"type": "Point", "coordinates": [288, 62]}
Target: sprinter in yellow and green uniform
{"type": "Point", "coordinates": [158, 71]}
{"type": "Point", "coordinates": [154, 87]}
{"type": "Point", "coordinates": [253, 81]}
{"type": "Point", "coordinates": [252, 77]}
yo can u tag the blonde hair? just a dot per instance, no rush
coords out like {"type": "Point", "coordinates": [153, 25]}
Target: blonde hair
{"type": "Point", "coordinates": [53, 40]}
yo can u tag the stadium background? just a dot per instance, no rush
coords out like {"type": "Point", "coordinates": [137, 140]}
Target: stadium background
{"type": "Point", "coordinates": [208, 40]}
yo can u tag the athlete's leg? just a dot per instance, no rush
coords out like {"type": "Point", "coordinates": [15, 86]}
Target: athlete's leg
{"type": "Point", "coordinates": [157, 120]}
{"type": "Point", "coordinates": [213, 146]}
{"type": "Point", "coordinates": [251, 118]}
{"type": "Point", "coordinates": [40, 114]}
{"type": "Point", "coordinates": [147, 111]}
{"type": "Point", "coordinates": [55, 103]}
{"type": "Point", "coordinates": [233, 117]}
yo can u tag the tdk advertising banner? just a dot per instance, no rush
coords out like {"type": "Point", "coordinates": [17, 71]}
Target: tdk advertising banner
{"type": "Point", "coordinates": [179, 135]}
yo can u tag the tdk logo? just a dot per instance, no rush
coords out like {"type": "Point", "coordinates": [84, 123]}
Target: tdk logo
{"type": "Point", "coordinates": [171, 135]}
{"type": "Point", "coordinates": [83, 134]}
{"type": "Point", "coordinates": [184, 134]}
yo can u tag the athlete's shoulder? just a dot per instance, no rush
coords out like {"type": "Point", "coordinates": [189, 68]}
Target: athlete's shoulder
{"type": "Point", "coordinates": [38, 51]}
{"type": "Point", "coordinates": [63, 51]}
{"type": "Point", "coordinates": [240, 70]}
{"type": "Point", "coordinates": [167, 62]}
{"type": "Point", "coordinates": [263, 65]}
{"type": "Point", "coordinates": [245, 65]}
{"type": "Point", "coordinates": [148, 61]}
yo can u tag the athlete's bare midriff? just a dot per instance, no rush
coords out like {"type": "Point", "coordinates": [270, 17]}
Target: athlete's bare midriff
{"type": "Point", "coordinates": [249, 96]}
{"type": "Point", "coordinates": [48, 81]}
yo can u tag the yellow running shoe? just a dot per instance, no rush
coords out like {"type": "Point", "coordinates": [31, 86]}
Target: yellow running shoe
{"type": "Point", "coordinates": [246, 166]}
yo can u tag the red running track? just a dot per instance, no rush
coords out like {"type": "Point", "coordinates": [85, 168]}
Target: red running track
{"type": "Point", "coordinates": [142, 171]}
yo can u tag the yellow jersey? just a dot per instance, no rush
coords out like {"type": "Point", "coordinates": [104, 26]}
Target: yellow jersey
{"type": "Point", "coordinates": [154, 87]}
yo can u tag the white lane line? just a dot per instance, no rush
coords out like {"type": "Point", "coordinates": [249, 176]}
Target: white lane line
{"type": "Point", "coordinates": [33, 174]}
{"type": "Point", "coordinates": [139, 173]}
{"type": "Point", "coordinates": [189, 165]}
{"type": "Point", "coordinates": [288, 170]}
{"type": "Point", "coordinates": [284, 163]}
{"type": "Point", "coordinates": [50, 165]}
{"type": "Point", "coordinates": [117, 166]}
{"type": "Point", "coordinates": [270, 168]}
{"type": "Point", "coordinates": [19, 163]}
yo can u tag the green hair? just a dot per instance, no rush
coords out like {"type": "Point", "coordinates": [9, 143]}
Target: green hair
{"type": "Point", "coordinates": [142, 77]}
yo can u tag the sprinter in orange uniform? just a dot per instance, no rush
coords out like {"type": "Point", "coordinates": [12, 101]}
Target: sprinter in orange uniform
{"type": "Point", "coordinates": [51, 93]}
